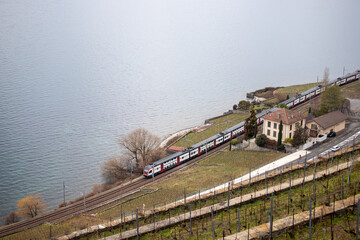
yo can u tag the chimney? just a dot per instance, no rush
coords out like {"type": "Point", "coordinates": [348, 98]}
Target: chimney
{"type": "Point", "coordinates": [279, 115]}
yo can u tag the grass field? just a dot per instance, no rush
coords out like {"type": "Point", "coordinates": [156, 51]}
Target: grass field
{"type": "Point", "coordinates": [297, 88]}
{"type": "Point", "coordinates": [210, 172]}
{"type": "Point", "coordinates": [219, 126]}
{"type": "Point", "coordinates": [352, 87]}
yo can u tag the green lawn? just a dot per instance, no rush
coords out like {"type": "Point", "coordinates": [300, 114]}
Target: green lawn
{"type": "Point", "coordinates": [297, 88]}
{"type": "Point", "coordinates": [352, 87]}
{"type": "Point", "coordinates": [219, 126]}
{"type": "Point", "coordinates": [210, 172]}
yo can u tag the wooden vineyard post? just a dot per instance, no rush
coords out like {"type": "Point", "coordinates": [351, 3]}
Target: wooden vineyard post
{"type": "Point", "coordinates": [190, 219]}
{"type": "Point", "coordinates": [289, 198]}
{"type": "Point", "coordinates": [310, 220]}
{"type": "Point", "coordinates": [212, 223]}
{"type": "Point", "coordinates": [137, 225]}
{"type": "Point", "coordinates": [228, 200]}
{"type": "Point", "coordinates": [271, 215]}
{"type": "Point", "coordinates": [239, 225]}
{"type": "Point", "coordinates": [357, 220]}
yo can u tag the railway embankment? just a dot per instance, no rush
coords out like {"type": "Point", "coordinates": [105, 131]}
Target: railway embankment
{"type": "Point", "coordinates": [253, 195]}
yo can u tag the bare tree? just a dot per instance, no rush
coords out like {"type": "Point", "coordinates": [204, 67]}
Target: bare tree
{"type": "Point", "coordinates": [326, 75]}
{"type": "Point", "coordinates": [115, 169]}
{"type": "Point", "coordinates": [12, 218]}
{"type": "Point", "coordinates": [157, 154]}
{"type": "Point", "coordinates": [30, 206]}
{"type": "Point", "coordinates": [139, 145]}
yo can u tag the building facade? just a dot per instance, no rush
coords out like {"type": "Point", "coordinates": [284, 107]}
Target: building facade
{"type": "Point", "coordinates": [330, 122]}
{"type": "Point", "coordinates": [290, 121]}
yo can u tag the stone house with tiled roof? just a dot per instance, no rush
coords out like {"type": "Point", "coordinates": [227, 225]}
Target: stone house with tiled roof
{"type": "Point", "coordinates": [290, 120]}
{"type": "Point", "coordinates": [330, 122]}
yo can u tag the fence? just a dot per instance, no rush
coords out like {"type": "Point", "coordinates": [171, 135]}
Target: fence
{"type": "Point", "coordinates": [178, 202]}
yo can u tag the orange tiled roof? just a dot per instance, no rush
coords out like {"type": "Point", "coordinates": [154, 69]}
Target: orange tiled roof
{"type": "Point", "coordinates": [287, 116]}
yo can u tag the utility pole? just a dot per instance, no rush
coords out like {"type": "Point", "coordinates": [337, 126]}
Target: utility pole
{"type": "Point", "coordinates": [153, 172]}
{"type": "Point", "coordinates": [64, 192]}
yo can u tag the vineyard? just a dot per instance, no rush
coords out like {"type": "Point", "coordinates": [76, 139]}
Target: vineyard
{"type": "Point", "coordinates": [331, 183]}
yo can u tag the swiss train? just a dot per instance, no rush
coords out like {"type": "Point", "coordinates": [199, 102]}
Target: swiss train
{"type": "Point", "coordinates": [215, 141]}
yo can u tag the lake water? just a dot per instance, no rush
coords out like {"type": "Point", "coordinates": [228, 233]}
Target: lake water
{"type": "Point", "coordinates": [76, 75]}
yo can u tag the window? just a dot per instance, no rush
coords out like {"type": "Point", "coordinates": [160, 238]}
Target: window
{"type": "Point", "coordinates": [289, 135]}
{"type": "Point", "coordinates": [275, 125]}
{"type": "Point", "coordinates": [313, 127]}
{"type": "Point", "coordinates": [290, 127]}
{"type": "Point", "coordinates": [268, 132]}
{"type": "Point", "coordinates": [269, 124]}
{"type": "Point", "coordinates": [301, 122]}
{"type": "Point", "coordinates": [274, 133]}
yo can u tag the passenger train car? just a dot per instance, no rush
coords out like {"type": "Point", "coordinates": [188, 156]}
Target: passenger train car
{"type": "Point", "coordinates": [200, 148]}
{"type": "Point", "coordinates": [215, 141]}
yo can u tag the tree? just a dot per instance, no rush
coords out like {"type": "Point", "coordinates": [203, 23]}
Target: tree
{"type": "Point", "coordinates": [30, 206]}
{"type": "Point", "coordinates": [244, 105]}
{"type": "Point", "coordinates": [251, 125]}
{"type": "Point", "coordinates": [116, 168]}
{"type": "Point", "coordinates": [326, 76]}
{"type": "Point", "coordinates": [139, 145]}
{"type": "Point", "coordinates": [279, 142]}
{"type": "Point", "coordinates": [331, 100]}
{"type": "Point", "coordinates": [299, 137]}
{"type": "Point", "coordinates": [235, 107]}
{"type": "Point", "coordinates": [12, 218]}
{"type": "Point", "coordinates": [283, 105]}
{"type": "Point", "coordinates": [261, 140]}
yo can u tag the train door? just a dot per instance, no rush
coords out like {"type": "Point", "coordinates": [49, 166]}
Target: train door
{"type": "Point", "coordinates": [162, 167]}
{"type": "Point", "coordinates": [178, 160]}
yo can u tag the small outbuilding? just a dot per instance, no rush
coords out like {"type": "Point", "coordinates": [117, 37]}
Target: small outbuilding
{"type": "Point", "coordinates": [325, 124]}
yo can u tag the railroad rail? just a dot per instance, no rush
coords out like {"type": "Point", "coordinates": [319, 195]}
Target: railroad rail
{"type": "Point", "coordinates": [96, 201]}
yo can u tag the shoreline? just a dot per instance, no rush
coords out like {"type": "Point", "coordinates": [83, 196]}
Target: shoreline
{"type": "Point", "coordinates": [179, 134]}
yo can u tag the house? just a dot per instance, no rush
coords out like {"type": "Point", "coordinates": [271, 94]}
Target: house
{"type": "Point", "coordinates": [330, 122]}
{"type": "Point", "coordinates": [290, 120]}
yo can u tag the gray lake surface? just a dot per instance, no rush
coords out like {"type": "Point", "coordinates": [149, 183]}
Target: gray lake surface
{"type": "Point", "coordinates": [77, 75]}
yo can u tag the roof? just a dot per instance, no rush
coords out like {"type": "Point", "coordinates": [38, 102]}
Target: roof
{"type": "Point", "coordinates": [329, 119]}
{"type": "Point", "coordinates": [173, 148]}
{"type": "Point", "coordinates": [287, 116]}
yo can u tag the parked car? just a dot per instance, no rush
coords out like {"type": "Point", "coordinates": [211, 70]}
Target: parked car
{"type": "Point", "coordinates": [332, 134]}
{"type": "Point", "coordinates": [335, 148]}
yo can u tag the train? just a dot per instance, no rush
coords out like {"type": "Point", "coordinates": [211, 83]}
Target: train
{"type": "Point", "coordinates": [217, 140]}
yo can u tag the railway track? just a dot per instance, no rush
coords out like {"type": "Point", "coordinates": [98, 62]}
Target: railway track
{"type": "Point", "coordinates": [98, 200]}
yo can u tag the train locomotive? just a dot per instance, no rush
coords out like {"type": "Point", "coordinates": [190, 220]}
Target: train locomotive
{"type": "Point", "coordinates": [215, 141]}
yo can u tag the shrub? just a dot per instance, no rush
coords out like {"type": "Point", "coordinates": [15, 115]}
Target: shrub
{"type": "Point", "coordinates": [283, 105]}
{"type": "Point", "coordinates": [12, 218]}
{"type": "Point", "coordinates": [261, 140]}
{"type": "Point", "coordinates": [271, 144]}
{"type": "Point", "coordinates": [281, 147]}
{"type": "Point", "coordinates": [235, 107]}
{"type": "Point", "coordinates": [234, 142]}
{"type": "Point", "coordinates": [288, 140]}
